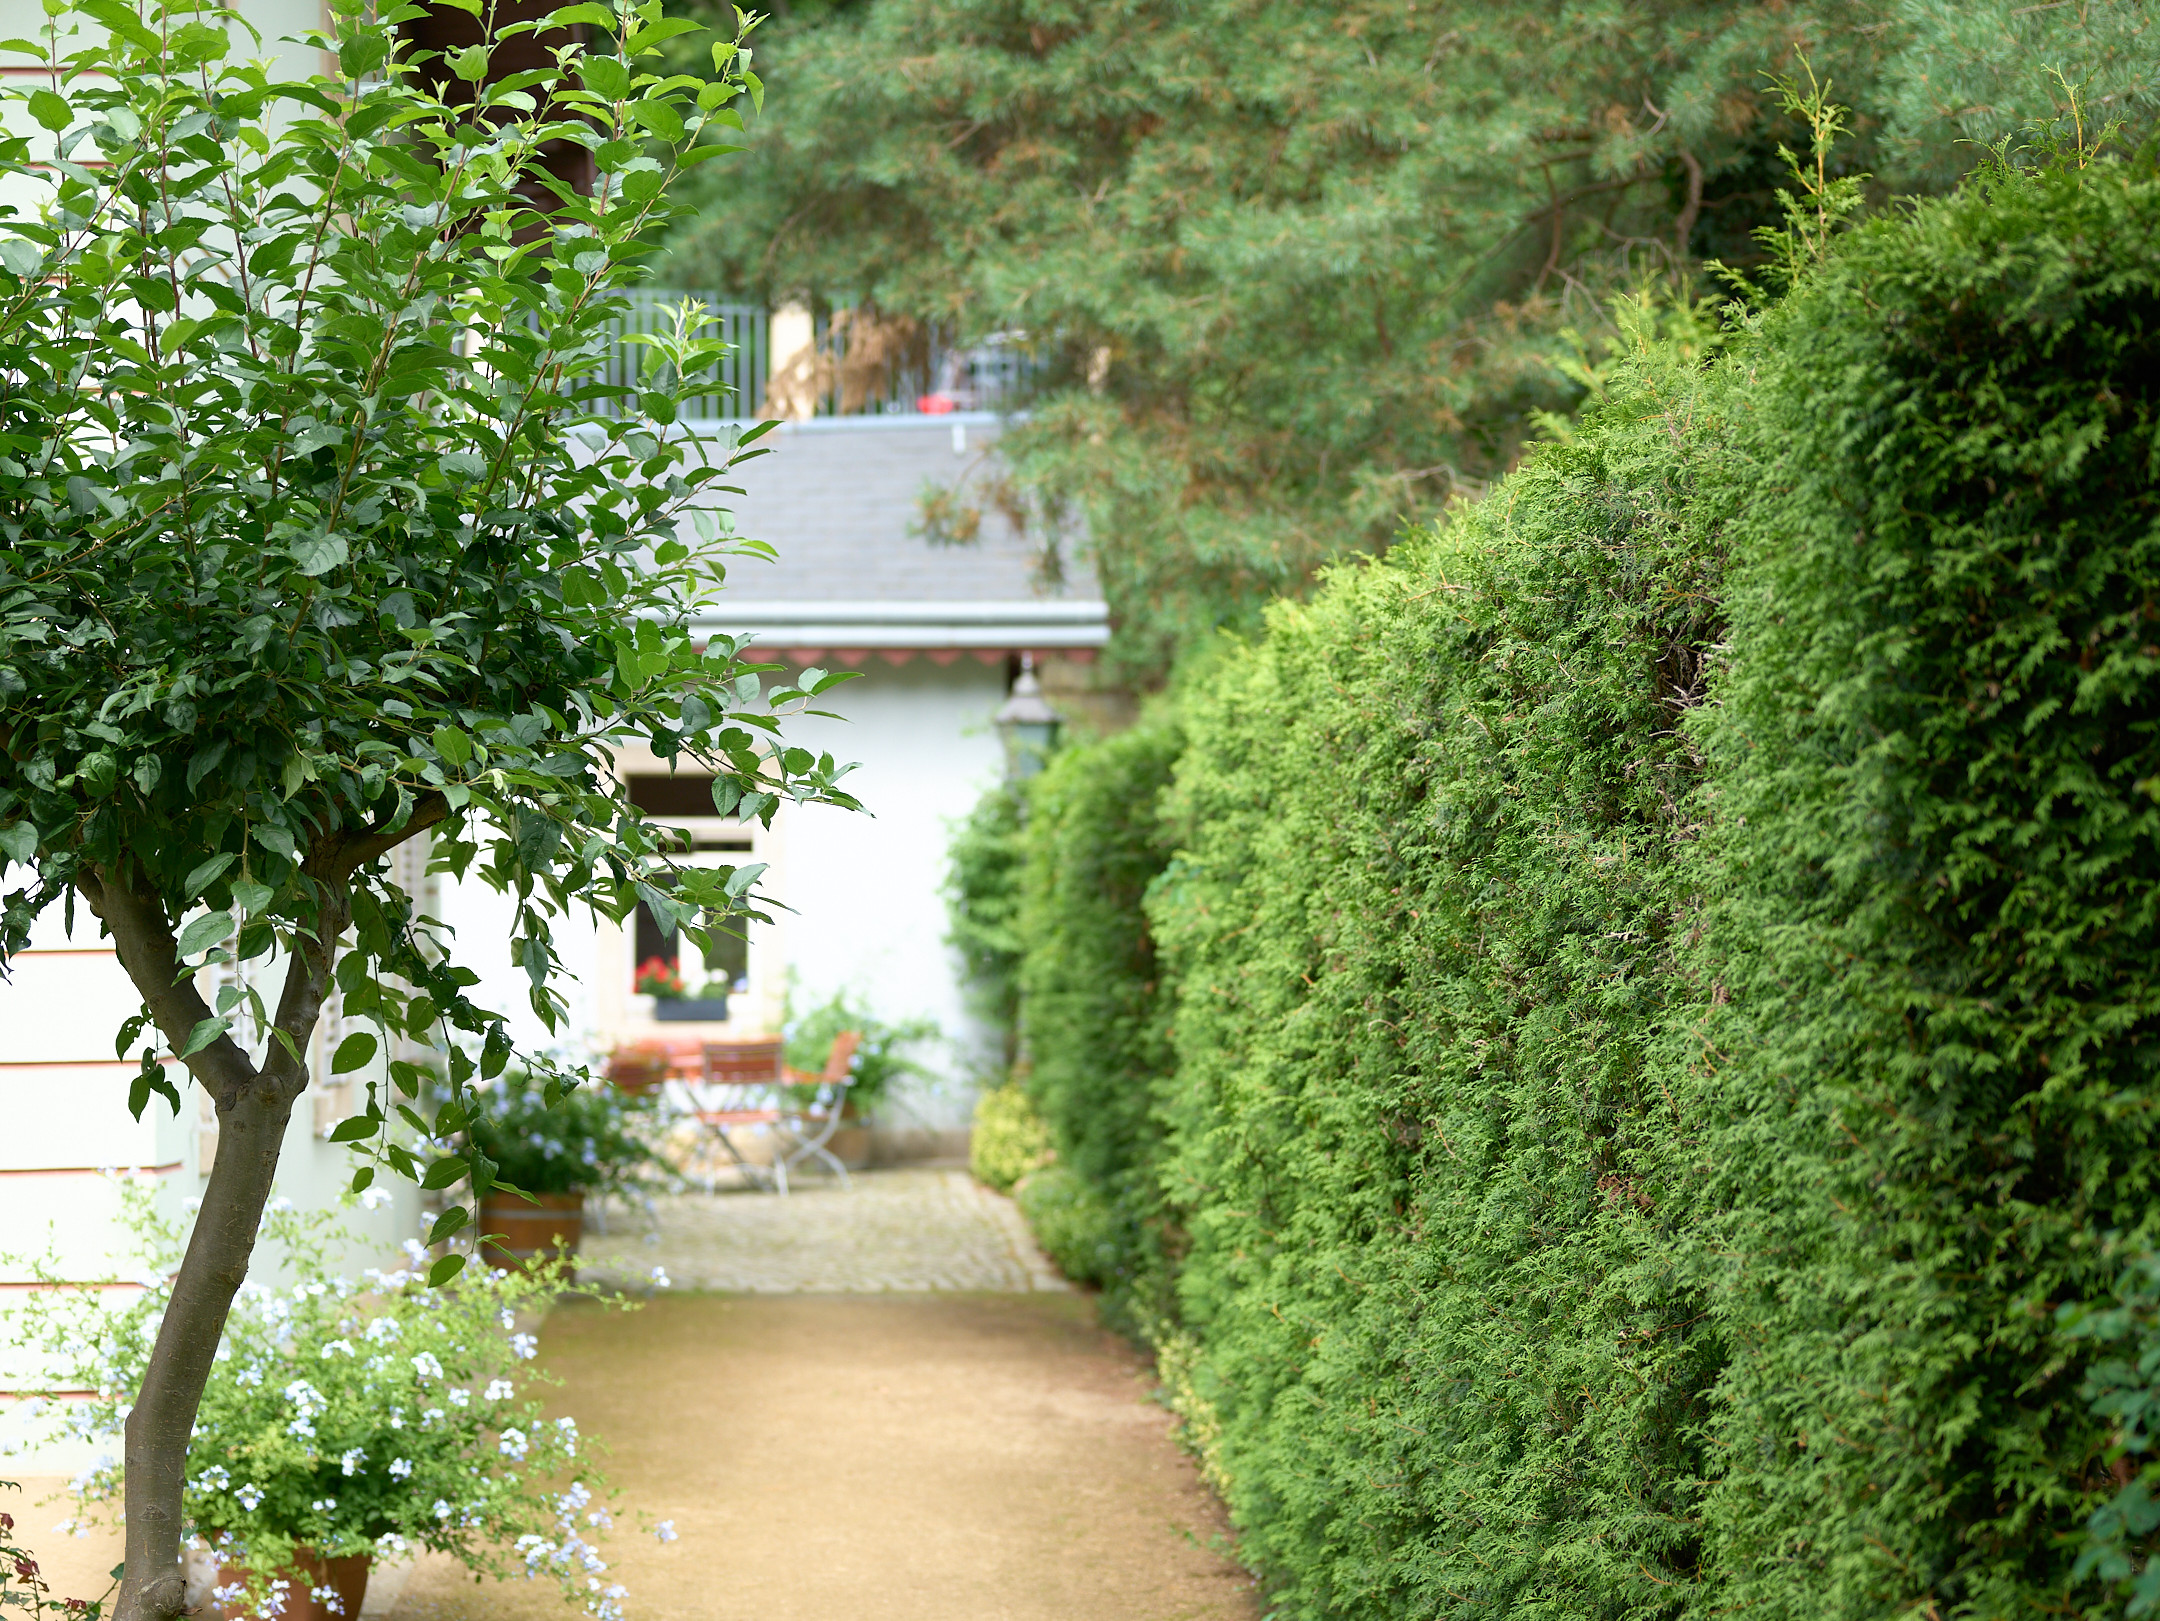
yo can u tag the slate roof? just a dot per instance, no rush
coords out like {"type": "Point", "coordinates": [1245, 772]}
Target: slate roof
{"type": "Point", "coordinates": [836, 500]}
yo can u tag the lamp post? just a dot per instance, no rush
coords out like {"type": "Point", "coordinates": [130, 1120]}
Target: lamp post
{"type": "Point", "coordinates": [1027, 723]}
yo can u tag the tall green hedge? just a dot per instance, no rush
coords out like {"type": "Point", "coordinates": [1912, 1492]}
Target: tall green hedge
{"type": "Point", "coordinates": [1929, 1090]}
{"type": "Point", "coordinates": [1094, 1015]}
{"type": "Point", "coordinates": [1652, 1007]}
{"type": "Point", "coordinates": [1421, 920]}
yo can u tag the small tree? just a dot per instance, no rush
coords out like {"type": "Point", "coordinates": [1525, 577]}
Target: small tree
{"type": "Point", "coordinates": [321, 532]}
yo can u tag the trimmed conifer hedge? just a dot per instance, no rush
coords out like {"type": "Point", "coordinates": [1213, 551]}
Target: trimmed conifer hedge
{"type": "Point", "coordinates": [1653, 989]}
{"type": "Point", "coordinates": [1095, 1017]}
{"type": "Point", "coordinates": [1928, 1094]}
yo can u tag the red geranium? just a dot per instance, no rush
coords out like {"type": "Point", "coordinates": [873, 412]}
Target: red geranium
{"type": "Point", "coordinates": [656, 976]}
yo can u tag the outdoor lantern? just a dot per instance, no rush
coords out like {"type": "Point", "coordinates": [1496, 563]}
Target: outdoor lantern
{"type": "Point", "coordinates": [1027, 723]}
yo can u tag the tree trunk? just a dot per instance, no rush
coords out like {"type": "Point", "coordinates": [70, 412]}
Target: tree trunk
{"type": "Point", "coordinates": [253, 1105]}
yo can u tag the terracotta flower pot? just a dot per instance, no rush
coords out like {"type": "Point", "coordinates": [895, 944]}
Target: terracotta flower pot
{"type": "Point", "coordinates": [638, 1070]}
{"type": "Point", "coordinates": [514, 1233]}
{"type": "Point", "coordinates": [342, 1582]}
{"type": "Point", "coordinates": [850, 1145]}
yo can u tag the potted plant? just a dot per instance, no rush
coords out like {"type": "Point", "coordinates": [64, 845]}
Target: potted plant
{"type": "Point", "coordinates": [663, 982]}
{"type": "Point", "coordinates": [594, 1141]}
{"type": "Point", "coordinates": [346, 1418]}
{"type": "Point", "coordinates": [880, 1060]}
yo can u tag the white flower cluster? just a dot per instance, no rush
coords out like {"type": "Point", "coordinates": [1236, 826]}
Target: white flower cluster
{"type": "Point", "coordinates": [308, 1404]}
{"type": "Point", "coordinates": [568, 1553]}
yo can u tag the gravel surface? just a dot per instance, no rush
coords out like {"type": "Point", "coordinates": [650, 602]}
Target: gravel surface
{"type": "Point", "coordinates": [903, 1230]}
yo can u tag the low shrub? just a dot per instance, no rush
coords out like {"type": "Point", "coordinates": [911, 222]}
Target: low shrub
{"type": "Point", "coordinates": [596, 1140]}
{"type": "Point", "coordinates": [1009, 1140]}
{"type": "Point", "coordinates": [375, 1415]}
{"type": "Point", "coordinates": [1076, 1226]}
{"type": "Point", "coordinates": [881, 1058]}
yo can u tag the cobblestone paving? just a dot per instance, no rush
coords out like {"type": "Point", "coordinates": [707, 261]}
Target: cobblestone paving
{"type": "Point", "coordinates": [899, 1230]}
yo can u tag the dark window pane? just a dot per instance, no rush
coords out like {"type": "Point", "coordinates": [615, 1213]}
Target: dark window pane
{"type": "Point", "coordinates": [651, 942]}
{"type": "Point", "coordinates": [672, 796]}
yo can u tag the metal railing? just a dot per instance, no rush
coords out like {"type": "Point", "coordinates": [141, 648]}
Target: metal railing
{"type": "Point", "coordinates": [738, 381]}
{"type": "Point", "coordinates": [861, 366]}
{"type": "Point", "coordinates": [870, 369]}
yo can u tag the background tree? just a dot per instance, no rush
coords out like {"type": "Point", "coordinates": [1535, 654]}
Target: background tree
{"type": "Point", "coordinates": [320, 535]}
{"type": "Point", "coordinates": [1298, 274]}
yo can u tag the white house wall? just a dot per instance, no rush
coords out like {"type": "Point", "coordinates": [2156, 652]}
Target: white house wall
{"type": "Point", "coordinates": [69, 1137]}
{"type": "Point", "coordinates": [860, 893]}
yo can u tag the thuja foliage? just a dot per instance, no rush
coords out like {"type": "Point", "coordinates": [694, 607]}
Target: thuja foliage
{"type": "Point", "coordinates": [1093, 1018]}
{"type": "Point", "coordinates": [1664, 979]}
{"type": "Point", "coordinates": [1449, 1363]}
{"type": "Point", "coordinates": [982, 897]}
{"type": "Point", "coordinates": [1926, 1073]}
{"type": "Point", "coordinates": [1295, 274]}
{"type": "Point", "coordinates": [323, 532]}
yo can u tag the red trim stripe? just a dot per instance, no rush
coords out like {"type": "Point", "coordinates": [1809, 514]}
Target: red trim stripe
{"type": "Point", "coordinates": [89, 1170]}
{"type": "Point", "coordinates": [78, 1063]}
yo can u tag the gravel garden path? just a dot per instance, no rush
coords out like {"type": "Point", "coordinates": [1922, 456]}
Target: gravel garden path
{"type": "Point", "coordinates": [873, 1405]}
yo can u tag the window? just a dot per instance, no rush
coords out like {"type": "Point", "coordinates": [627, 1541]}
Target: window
{"type": "Point", "coordinates": [725, 962]}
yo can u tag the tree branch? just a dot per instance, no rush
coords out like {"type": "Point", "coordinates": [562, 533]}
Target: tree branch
{"type": "Point", "coordinates": [341, 856]}
{"type": "Point", "coordinates": [1684, 227]}
{"type": "Point", "coordinates": [144, 942]}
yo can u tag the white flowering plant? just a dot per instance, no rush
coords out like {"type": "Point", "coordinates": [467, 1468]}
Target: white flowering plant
{"type": "Point", "coordinates": [376, 1415]}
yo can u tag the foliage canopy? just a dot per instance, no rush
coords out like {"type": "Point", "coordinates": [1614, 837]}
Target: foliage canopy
{"type": "Point", "coordinates": [322, 533]}
{"type": "Point", "coordinates": [1296, 275]}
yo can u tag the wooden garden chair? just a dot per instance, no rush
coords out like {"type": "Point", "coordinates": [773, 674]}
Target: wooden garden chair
{"type": "Point", "coordinates": [808, 1122]}
{"type": "Point", "coordinates": [737, 1087]}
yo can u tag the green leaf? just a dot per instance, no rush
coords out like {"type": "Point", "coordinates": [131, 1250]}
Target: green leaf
{"type": "Point", "coordinates": [198, 42]}
{"type": "Point", "coordinates": [51, 110]}
{"type": "Point", "coordinates": [202, 1035]}
{"type": "Point", "coordinates": [207, 873]}
{"type": "Point", "coordinates": [538, 835]}
{"type": "Point", "coordinates": [18, 842]}
{"type": "Point", "coordinates": [250, 896]}
{"type": "Point", "coordinates": [449, 1223]}
{"type": "Point", "coordinates": [354, 1051]}
{"type": "Point", "coordinates": [206, 931]}
{"type": "Point", "coordinates": [605, 76]}
{"type": "Point", "coordinates": [22, 256]}
{"type": "Point", "coordinates": [657, 116]}
{"type": "Point", "coordinates": [445, 1171]}
{"type": "Point", "coordinates": [354, 1129]}
{"type": "Point", "coordinates": [319, 554]}
{"type": "Point", "coordinates": [667, 28]}
{"type": "Point", "coordinates": [448, 1267]}
{"type": "Point", "coordinates": [453, 745]}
